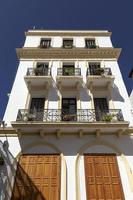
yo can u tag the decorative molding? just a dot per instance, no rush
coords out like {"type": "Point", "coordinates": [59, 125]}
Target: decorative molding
{"type": "Point", "coordinates": [33, 53]}
{"type": "Point", "coordinates": [68, 33]}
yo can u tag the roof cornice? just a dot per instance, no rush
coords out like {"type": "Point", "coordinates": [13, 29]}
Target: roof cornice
{"type": "Point", "coordinates": [60, 53]}
{"type": "Point", "coordinates": [68, 33]}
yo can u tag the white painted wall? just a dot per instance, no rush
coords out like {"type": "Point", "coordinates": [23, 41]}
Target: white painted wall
{"type": "Point", "coordinates": [104, 41]}
{"type": "Point", "coordinates": [131, 98]}
{"type": "Point", "coordinates": [57, 41]}
{"type": "Point", "coordinates": [119, 93]}
{"type": "Point", "coordinates": [19, 92]}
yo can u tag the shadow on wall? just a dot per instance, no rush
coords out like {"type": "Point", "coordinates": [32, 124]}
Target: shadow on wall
{"type": "Point", "coordinates": [116, 94]}
{"type": "Point", "coordinates": [70, 145]}
{"type": "Point", "coordinates": [54, 93]}
{"type": "Point", "coordinates": [85, 94]}
{"type": "Point", "coordinates": [23, 188]}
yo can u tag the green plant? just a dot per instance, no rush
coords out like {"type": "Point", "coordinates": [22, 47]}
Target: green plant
{"type": "Point", "coordinates": [99, 71]}
{"type": "Point", "coordinates": [108, 117]}
{"type": "Point", "coordinates": [69, 71]}
{"type": "Point", "coordinates": [1, 160]}
{"type": "Point", "coordinates": [93, 46]}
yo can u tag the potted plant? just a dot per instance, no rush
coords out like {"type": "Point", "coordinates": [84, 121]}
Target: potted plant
{"type": "Point", "coordinates": [69, 71]}
{"type": "Point", "coordinates": [1, 160]}
{"type": "Point", "coordinates": [93, 46]}
{"type": "Point", "coordinates": [25, 116]}
{"type": "Point", "coordinates": [99, 71]}
{"type": "Point", "coordinates": [108, 117]}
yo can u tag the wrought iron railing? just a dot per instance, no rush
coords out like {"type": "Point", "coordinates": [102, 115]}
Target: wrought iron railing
{"type": "Point", "coordinates": [99, 71]}
{"type": "Point", "coordinates": [38, 72]}
{"type": "Point", "coordinates": [69, 72]}
{"type": "Point", "coordinates": [58, 115]}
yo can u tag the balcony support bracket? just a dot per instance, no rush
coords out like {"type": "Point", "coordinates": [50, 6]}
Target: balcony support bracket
{"type": "Point", "coordinates": [98, 133]}
{"type": "Point", "coordinates": [58, 133]}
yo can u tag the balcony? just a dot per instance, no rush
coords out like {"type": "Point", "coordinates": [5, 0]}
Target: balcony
{"type": "Point", "coordinates": [87, 120]}
{"type": "Point", "coordinates": [100, 77]}
{"type": "Point", "coordinates": [70, 77]}
{"type": "Point", "coordinates": [38, 78]}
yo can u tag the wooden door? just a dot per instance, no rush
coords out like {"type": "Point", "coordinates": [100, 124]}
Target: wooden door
{"type": "Point", "coordinates": [102, 177]}
{"type": "Point", "coordinates": [37, 178]}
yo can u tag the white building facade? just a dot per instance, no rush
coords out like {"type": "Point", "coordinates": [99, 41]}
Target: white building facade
{"type": "Point", "coordinates": [69, 121]}
{"type": "Point", "coordinates": [131, 98]}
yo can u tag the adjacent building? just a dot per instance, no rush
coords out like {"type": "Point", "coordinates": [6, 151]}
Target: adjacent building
{"type": "Point", "coordinates": [69, 133]}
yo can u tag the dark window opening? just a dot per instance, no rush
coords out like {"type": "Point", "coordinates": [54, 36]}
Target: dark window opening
{"type": "Point", "coordinates": [36, 109]}
{"type": "Point", "coordinates": [45, 43]}
{"type": "Point", "coordinates": [95, 69]}
{"type": "Point", "coordinates": [69, 109]}
{"type": "Point", "coordinates": [67, 43]}
{"type": "Point", "coordinates": [68, 70]}
{"type": "Point", "coordinates": [90, 43]}
{"type": "Point", "coordinates": [41, 69]}
{"type": "Point", "coordinates": [101, 108]}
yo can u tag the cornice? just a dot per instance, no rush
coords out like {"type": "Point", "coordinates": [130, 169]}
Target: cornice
{"type": "Point", "coordinates": [68, 33]}
{"type": "Point", "coordinates": [60, 53]}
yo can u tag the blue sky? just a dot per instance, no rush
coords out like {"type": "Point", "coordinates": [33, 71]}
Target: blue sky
{"type": "Point", "coordinates": [17, 16]}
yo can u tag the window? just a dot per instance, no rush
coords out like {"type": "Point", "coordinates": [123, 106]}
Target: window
{"type": "Point", "coordinates": [90, 43]}
{"type": "Point", "coordinates": [67, 43]}
{"type": "Point", "coordinates": [94, 68]}
{"type": "Point", "coordinates": [45, 43]}
{"type": "Point", "coordinates": [69, 109]}
{"type": "Point", "coordinates": [36, 109]}
{"type": "Point", "coordinates": [41, 69]}
{"type": "Point", "coordinates": [68, 70]}
{"type": "Point", "coordinates": [101, 108]}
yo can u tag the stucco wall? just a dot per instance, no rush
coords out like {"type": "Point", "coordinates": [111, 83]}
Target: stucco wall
{"type": "Point", "coordinates": [131, 98]}
{"type": "Point", "coordinates": [34, 41]}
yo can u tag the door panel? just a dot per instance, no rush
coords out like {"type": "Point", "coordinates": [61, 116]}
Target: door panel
{"type": "Point", "coordinates": [102, 177]}
{"type": "Point", "coordinates": [37, 178]}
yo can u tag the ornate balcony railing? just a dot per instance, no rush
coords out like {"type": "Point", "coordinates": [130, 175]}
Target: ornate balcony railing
{"type": "Point", "coordinates": [58, 115]}
{"type": "Point", "coordinates": [38, 72]}
{"type": "Point", "coordinates": [69, 72]}
{"type": "Point", "coordinates": [99, 71]}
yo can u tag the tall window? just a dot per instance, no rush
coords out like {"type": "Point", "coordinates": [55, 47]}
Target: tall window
{"type": "Point", "coordinates": [101, 108]}
{"type": "Point", "coordinates": [41, 69]}
{"type": "Point", "coordinates": [45, 43]}
{"type": "Point", "coordinates": [68, 70]}
{"type": "Point", "coordinates": [69, 109]}
{"type": "Point", "coordinates": [37, 109]}
{"type": "Point", "coordinates": [67, 43]}
{"type": "Point", "coordinates": [94, 68]}
{"type": "Point", "coordinates": [90, 43]}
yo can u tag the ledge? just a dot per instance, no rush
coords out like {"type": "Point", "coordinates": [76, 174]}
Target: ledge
{"type": "Point", "coordinates": [68, 53]}
{"type": "Point", "coordinates": [122, 129]}
{"type": "Point", "coordinates": [68, 33]}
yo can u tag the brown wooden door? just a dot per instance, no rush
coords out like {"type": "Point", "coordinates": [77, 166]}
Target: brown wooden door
{"type": "Point", "coordinates": [102, 177]}
{"type": "Point", "coordinates": [37, 178]}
